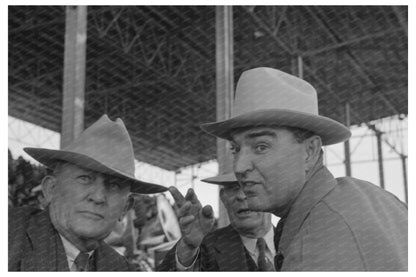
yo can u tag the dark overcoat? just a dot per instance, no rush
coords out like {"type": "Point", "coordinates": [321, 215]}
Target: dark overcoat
{"type": "Point", "coordinates": [344, 224]}
{"type": "Point", "coordinates": [221, 250]}
{"type": "Point", "coordinates": [35, 245]}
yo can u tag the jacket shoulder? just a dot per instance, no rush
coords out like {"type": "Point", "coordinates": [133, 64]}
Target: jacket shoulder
{"type": "Point", "coordinates": [22, 213]}
{"type": "Point", "coordinates": [19, 219]}
{"type": "Point", "coordinates": [375, 218]}
{"type": "Point", "coordinates": [362, 194]}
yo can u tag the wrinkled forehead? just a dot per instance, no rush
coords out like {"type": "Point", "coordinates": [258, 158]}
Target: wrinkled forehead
{"type": "Point", "coordinates": [244, 133]}
{"type": "Point", "coordinates": [65, 168]}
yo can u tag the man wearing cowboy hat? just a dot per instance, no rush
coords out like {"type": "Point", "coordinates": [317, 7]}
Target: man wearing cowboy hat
{"type": "Point", "coordinates": [87, 193]}
{"type": "Point", "coordinates": [244, 245]}
{"type": "Point", "coordinates": [328, 224]}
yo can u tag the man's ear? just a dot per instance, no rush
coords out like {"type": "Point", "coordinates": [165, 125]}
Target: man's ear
{"type": "Point", "coordinates": [313, 146]}
{"type": "Point", "coordinates": [222, 193]}
{"type": "Point", "coordinates": [128, 206]}
{"type": "Point", "coordinates": [48, 185]}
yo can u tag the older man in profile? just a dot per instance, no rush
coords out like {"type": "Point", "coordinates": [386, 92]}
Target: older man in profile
{"type": "Point", "coordinates": [88, 192]}
{"type": "Point", "coordinates": [244, 245]}
{"type": "Point", "coordinates": [328, 224]}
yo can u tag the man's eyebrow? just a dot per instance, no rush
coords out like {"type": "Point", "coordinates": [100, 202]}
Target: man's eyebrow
{"type": "Point", "coordinates": [260, 134]}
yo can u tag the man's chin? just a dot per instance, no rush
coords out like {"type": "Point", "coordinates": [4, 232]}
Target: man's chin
{"type": "Point", "coordinates": [92, 232]}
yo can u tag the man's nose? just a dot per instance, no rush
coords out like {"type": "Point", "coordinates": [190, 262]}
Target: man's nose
{"type": "Point", "coordinates": [240, 195]}
{"type": "Point", "coordinates": [98, 192]}
{"type": "Point", "coordinates": [242, 163]}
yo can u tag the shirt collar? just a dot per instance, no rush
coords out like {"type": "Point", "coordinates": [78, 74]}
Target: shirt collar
{"type": "Point", "coordinates": [71, 251]}
{"type": "Point", "coordinates": [251, 243]}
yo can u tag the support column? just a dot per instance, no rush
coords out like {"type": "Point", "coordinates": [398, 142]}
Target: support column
{"type": "Point", "coordinates": [403, 158]}
{"type": "Point", "coordinates": [380, 155]}
{"type": "Point", "coordinates": [225, 89]}
{"type": "Point", "coordinates": [347, 143]}
{"type": "Point", "coordinates": [74, 74]}
{"type": "Point", "coordinates": [300, 67]}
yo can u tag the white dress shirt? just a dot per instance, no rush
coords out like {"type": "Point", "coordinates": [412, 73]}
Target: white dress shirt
{"type": "Point", "coordinates": [251, 245]}
{"type": "Point", "coordinates": [71, 253]}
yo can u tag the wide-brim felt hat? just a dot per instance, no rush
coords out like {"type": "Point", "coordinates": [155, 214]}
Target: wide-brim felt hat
{"type": "Point", "coordinates": [270, 97]}
{"type": "Point", "coordinates": [223, 179]}
{"type": "Point", "coordinates": [104, 147]}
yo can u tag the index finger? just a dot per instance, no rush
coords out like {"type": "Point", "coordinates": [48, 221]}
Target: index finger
{"type": "Point", "coordinates": [191, 196]}
{"type": "Point", "coordinates": [177, 196]}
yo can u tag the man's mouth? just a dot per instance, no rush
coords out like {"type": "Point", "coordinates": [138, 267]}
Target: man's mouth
{"type": "Point", "coordinates": [91, 215]}
{"type": "Point", "coordinates": [244, 211]}
{"type": "Point", "coordinates": [249, 183]}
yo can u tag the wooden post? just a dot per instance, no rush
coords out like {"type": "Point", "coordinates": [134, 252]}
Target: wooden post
{"type": "Point", "coordinates": [74, 74]}
{"type": "Point", "coordinates": [403, 158]}
{"type": "Point", "coordinates": [225, 89]}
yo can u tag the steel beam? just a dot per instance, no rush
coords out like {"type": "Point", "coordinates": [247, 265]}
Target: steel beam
{"type": "Point", "coordinates": [335, 46]}
{"type": "Point", "coordinates": [356, 63]}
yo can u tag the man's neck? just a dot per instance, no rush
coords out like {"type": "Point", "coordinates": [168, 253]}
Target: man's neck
{"type": "Point", "coordinates": [258, 232]}
{"type": "Point", "coordinates": [283, 212]}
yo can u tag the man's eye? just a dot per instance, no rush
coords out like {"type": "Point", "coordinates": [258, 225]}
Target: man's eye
{"type": "Point", "coordinates": [234, 148]}
{"type": "Point", "coordinates": [84, 179]}
{"type": "Point", "coordinates": [231, 187]}
{"type": "Point", "coordinates": [113, 186]}
{"type": "Point", "coordinates": [231, 190]}
{"type": "Point", "coordinates": [261, 148]}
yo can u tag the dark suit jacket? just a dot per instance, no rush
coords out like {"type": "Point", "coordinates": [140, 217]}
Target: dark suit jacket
{"type": "Point", "coordinates": [221, 250]}
{"type": "Point", "coordinates": [35, 245]}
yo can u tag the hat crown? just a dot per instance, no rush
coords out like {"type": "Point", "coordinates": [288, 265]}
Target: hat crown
{"type": "Point", "coordinates": [269, 97]}
{"type": "Point", "coordinates": [267, 88]}
{"type": "Point", "coordinates": [107, 142]}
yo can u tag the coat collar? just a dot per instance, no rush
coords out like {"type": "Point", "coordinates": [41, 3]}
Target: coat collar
{"type": "Point", "coordinates": [48, 253]}
{"type": "Point", "coordinates": [319, 185]}
{"type": "Point", "coordinates": [233, 256]}
{"type": "Point", "coordinates": [106, 259]}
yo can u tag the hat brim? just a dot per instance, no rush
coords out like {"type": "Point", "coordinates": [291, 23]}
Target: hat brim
{"type": "Point", "coordinates": [329, 130]}
{"type": "Point", "coordinates": [226, 179]}
{"type": "Point", "coordinates": [50, 157]}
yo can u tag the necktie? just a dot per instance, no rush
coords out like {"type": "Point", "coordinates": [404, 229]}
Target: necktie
{"type": "Point", "coordinates": [278, 259]}
{"type": "Point", "coordinates": [81, 261]}
{"type": "Point", "coordinates": [263, 263]}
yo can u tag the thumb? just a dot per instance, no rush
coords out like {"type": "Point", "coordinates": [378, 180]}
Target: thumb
{"type": "Point", "coordinates": [207, 211]}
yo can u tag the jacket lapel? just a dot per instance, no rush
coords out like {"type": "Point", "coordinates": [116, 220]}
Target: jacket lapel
{"type": "Point", "coordinates": [107, 260]}
{"type": "Point", "coordinates": [319, 185]}
{"type": "Point", "coordinates": [46, 252]}
{"type": "Point", "coordinates": [230, 251]}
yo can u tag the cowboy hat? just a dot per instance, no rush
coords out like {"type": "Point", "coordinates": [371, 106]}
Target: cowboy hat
{"type": "Point", "coordinates": [267, 96]}
{"type": "Point", "coordinates": [104, 147]}
{"type": "Point", "coordinates": [224, 179]}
